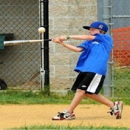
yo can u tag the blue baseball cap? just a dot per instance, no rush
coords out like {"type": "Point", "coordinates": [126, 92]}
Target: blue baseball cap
{"type": "Point", "coordinates": [98, 25]}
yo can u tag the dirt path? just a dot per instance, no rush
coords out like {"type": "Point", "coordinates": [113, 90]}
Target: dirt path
{"type": "Point", "coordinates": [12, 116]}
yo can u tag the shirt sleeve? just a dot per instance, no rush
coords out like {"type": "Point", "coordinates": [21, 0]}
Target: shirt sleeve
{"type": "Point", "coordinates": [98, 37]}
{"type": "Point", "coordinates": [83, 45]}
{"type": "Point", "coordinates": [102, 38]}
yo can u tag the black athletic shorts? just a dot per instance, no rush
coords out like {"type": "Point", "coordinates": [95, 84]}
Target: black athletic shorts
{"type": "Point", "coordinates": [89, 82]}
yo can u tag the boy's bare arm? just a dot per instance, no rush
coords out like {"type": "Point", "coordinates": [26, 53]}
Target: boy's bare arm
{"type": "Point", "coordinates": [68, 46]}
{"type": "Point", "coordinates": [77, 37]}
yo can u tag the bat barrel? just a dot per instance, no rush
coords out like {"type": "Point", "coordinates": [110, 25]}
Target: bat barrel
{"type": "Point", "coordinates": [19, 42]}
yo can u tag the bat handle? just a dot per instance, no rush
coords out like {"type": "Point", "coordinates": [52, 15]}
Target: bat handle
{"type": "Point", "coordinates": [47, 39]}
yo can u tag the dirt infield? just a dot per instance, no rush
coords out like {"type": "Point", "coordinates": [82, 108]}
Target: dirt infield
{"type": "Point", "coordinates": [12, 116]}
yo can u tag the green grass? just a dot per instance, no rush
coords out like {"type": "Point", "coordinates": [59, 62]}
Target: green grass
{"type": "Point", "coordinates": [122, 82]}
{"type": "Point", "coordinates": [80, 127]}
{"type": "Point", "coordinates": [40, 97]}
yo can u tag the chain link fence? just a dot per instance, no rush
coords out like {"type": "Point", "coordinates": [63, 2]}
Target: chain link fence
{"type": "Point", "coordinates": [20, 65]}
{"type": "Point", "coordinates": [121, 50]}
{"type": "Point", "coordinates": [118, 15]}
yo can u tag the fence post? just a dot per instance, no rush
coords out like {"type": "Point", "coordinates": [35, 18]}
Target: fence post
{"type": "Point", "coordinates": [44, 22]}
{"type": "Point", "coordinates": [46, 47]}
{"type": "Point", "coordinates": [107, 19]}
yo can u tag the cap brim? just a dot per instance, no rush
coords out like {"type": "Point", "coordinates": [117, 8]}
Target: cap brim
{"type": "Point", "coordinates": [86, 27]}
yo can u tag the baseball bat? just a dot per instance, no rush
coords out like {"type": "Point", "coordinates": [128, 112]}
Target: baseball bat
{"type": "Point", "coordinates": [19, 42]}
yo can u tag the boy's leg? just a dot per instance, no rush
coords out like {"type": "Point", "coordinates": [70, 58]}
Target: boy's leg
{"type": "Point", "coordinates": [100, 98]}
{"type": "Point", "coordinates": [115, 108]}
{"type": "Point", "coordinates": [68, 113]}
{"type": "Point", "coordinates": [76, 100]}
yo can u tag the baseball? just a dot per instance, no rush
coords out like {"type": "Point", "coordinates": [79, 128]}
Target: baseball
{"type": "Point", "coordinates": [41, 30]}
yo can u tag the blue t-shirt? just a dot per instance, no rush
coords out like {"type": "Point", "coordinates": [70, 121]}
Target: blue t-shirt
{"type": "Point", "coordinates": [95, 54]}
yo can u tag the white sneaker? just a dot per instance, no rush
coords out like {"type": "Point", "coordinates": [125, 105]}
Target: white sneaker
{"type": "Point", "coordinates": [64, 116]}
{"type": "Point", "coordinates": [117, 109]}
